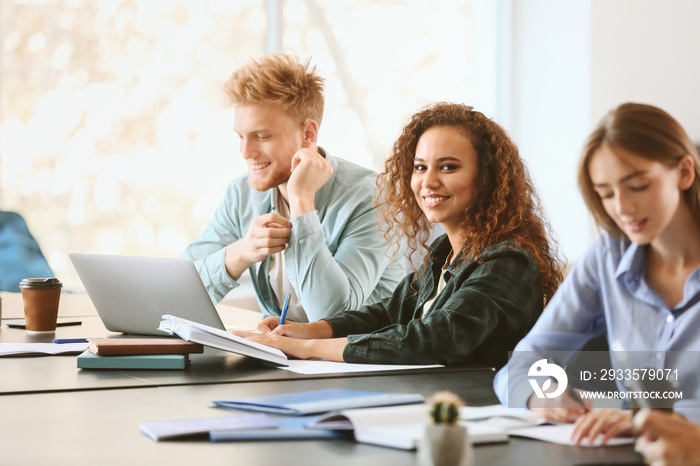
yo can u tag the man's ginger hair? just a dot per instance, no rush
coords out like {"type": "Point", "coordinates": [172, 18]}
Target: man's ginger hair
{"type": "Point", "coordinates": [280, 79]}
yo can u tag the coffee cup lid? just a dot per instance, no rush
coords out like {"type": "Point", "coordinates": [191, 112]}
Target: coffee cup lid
{"type": "Point", "coordinates": [40, 283]}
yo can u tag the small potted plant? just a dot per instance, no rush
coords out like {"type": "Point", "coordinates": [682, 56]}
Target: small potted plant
{"type": "Point", "coordinates": [445, 442]}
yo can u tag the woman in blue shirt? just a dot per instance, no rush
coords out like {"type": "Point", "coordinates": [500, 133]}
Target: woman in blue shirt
{"type": "Point", "coordinates": [639, 281]}
{"type": "Point", "coordinates": [482, 284]}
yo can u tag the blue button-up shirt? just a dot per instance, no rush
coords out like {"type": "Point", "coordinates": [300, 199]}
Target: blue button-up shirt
{"type": "Point", "coordinates": [606, 291]}
{"type": "Point", "coordinates": [336, 258]}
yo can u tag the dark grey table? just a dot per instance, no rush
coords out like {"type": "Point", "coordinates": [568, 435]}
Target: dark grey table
{"type": "Point", "coordinates": [101, 427]}
{"type": "Point", "coordinates": [60, 373]}
{"type": "Point", "coordinates": [53, 413]}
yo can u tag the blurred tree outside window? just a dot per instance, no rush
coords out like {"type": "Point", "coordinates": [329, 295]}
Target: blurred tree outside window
{"type": "Point", "coordinates": [114, 135]}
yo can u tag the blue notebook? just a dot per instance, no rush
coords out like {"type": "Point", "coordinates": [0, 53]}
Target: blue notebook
{"type": "Point", "coordinates": [320, 401]}
{"type": "Point", "coordinates": [164, 430]}
{"type": "Point", "coordinates": [89, 360]}
{"type": "Point", "coordinates": [287, 429]}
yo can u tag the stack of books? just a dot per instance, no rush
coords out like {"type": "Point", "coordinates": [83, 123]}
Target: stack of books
{"type": "Point", "coordinates": [137, 353]}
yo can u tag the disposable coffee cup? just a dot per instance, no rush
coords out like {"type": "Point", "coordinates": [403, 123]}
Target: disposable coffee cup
{"type": "Point", "coordinates": [40, 297]}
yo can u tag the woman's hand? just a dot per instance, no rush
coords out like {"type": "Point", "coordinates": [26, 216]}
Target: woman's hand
{"type": "Point", "coordinates": [330, 349]}
{"type": "Point", "coordinates": [564, 408]}
{"type": "Point", "coordinates": [289, 346]}
{"type": "Point", "coordinates": [606, 422]}
{"type": "Point", "coordinates": [667, 439]}
{"type": "Point", "coordinates": [268, 324]}
{"type": "Point", "coordinates": [320, 329]}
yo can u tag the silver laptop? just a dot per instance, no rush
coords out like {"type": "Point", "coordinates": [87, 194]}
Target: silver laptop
{"type": "Point", "coordinates": [132, 293]}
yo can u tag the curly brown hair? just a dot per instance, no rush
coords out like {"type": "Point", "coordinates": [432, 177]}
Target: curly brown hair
{"type": "Point", "coordinates": [505, 204]}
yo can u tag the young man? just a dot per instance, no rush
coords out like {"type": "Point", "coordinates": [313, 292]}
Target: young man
{"type": "Point", "coordinates": [301, 221]}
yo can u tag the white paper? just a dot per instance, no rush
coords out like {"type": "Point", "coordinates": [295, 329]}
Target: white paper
{"type": "Point", "coordinates": [407, 436]}
{"type": "Point", "coordinates": [14, 349]}
{"type": "Point", "coordinates": [561, 434]}
{"type": "Point", "coordinates": [477, 413]}
{"type": "Point", "coordinates": [317, 366]}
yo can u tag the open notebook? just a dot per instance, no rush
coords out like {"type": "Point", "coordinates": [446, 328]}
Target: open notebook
{"type": "Point", "coordinates": [397, 426]}
{"type": "Point", "coordinates": [221, 339]}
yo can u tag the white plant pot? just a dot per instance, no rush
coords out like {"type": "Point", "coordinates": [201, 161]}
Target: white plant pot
{"type": "Point", "coordinates": [445, 445]}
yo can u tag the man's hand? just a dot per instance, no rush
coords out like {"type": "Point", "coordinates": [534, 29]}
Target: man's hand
{"type": "Point", "coordinates": [310, 171]}
{"type": "Point", "coordinates": [268, 234]}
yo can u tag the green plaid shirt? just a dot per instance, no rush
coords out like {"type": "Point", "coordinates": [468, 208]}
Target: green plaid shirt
{"type": "Point", "coordinates": [484, 310]}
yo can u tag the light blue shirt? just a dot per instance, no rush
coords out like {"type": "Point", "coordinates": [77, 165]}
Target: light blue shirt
{"type": "Point", "coordinates": [336, 259]}
{"type": "Point", "coordinates": [606, 291]}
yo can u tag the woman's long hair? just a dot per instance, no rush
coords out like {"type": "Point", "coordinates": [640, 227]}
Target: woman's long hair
{"type": "Point", "coordinates": [505, 204]}
{"type": "Point", "coordinates": [648, 132]}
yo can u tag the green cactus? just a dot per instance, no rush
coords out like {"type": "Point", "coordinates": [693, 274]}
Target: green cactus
{"type": "Point", "coordinates": [445, 407]}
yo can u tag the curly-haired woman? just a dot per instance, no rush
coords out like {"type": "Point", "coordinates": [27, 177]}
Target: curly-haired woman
{"type": "Point", "coordinates": [483, 283]}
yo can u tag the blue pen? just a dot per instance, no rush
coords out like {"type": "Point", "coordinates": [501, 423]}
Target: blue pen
{"type": "Point", "coordinates": [284, 309]}
{"type": "Point", "coordinates": [70, 340]}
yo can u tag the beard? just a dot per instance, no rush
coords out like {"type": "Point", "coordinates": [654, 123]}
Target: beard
{"type": "Point", "coordinates": [273, 180]}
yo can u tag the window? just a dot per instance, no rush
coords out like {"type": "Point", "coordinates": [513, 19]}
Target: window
{"type": "Point", "coordinates": [113, 133]}
{"type": "Point", "coordinates": [382, 60]}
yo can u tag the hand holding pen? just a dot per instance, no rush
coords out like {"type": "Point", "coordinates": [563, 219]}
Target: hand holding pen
{"type": "Point", "coordinates": [270, 323]}
{"type": "Point", "coordinates": [305, 331]}
{"type": "Point", "coordinates": [573, 394]}
{"type": "Point", "coordinates": [567, 407]}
